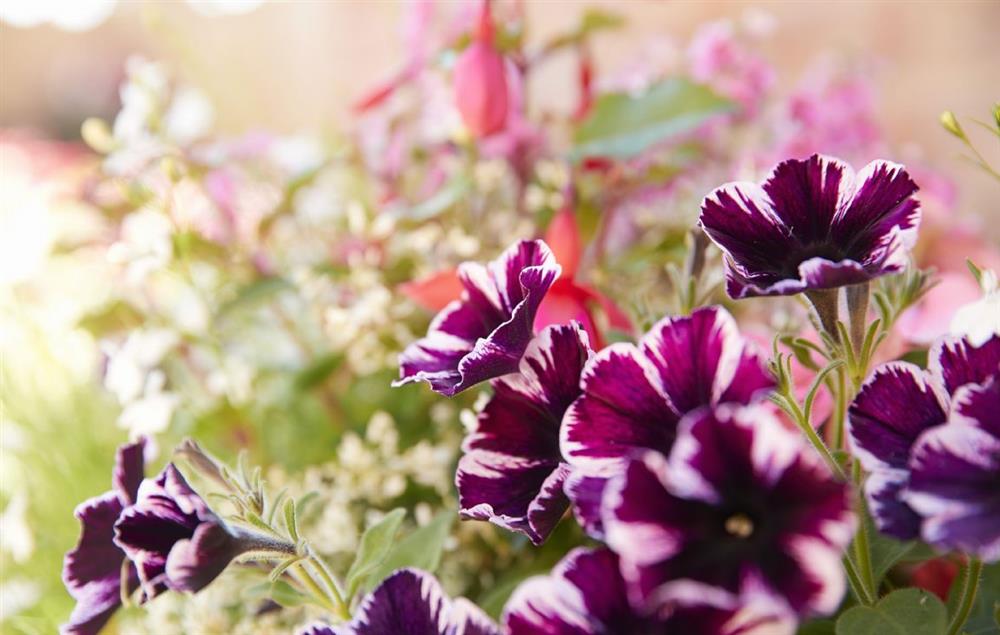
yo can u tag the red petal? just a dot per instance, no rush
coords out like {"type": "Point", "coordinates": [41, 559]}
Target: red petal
{"type": "Point", "coordinates": [435, 291]}
{"type": "Point", "coordinates": [563, 238]}
{"type": "Point", "coordinates": [565, 302]}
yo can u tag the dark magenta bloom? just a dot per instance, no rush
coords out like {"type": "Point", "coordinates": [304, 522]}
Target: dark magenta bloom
{"type": "Point", "coordinates": [634, 396]}
{"type": "Point", "coordinates": [512, 473]}
{"type": "Point", "coordinates": [898, 404]}
{"type": "Point", "coordinates": [813, 224]}
{"type": "Point", "coordinates": [172, 537]}
{"type": "Point", "coordinates": [742, 505]}
{"type": "Point", "coordinates": [586, 595]}
{"type": "Point", "coordinates": [411, 602]}
{"type": "Point", "coordinates": [483, 334]}
{"type": "Point", "coordinates": [92, 571]}
{"type": "Point", "coordinates": [955, 475]}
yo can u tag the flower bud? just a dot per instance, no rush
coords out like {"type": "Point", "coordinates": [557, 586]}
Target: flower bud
{"type": "Point", "coordinates": [480, 82]}
{"type": "Point", "coordinates": [996, 114]}
{"type": "Point", "coordinates": [951, 124]}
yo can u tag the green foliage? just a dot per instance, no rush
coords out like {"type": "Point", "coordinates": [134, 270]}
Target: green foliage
{"type": "Point", "coordinates": [984, 619]}
{"type": "Point", "coordinates": [623, 125]}
{"type": "Point", "coordinates": [421, 549]}
{"type": "Point", "coordinates": [376, 543]}
{"type": "Point", "coordinates": [903, 612]}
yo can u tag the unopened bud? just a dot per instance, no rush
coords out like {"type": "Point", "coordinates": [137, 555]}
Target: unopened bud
{"type": "Point", "coordinates": [203, 462]}
{"type": "Point", "coordinates": [951, 124]}
{"type": "Point", "coordinates": [996, 114]}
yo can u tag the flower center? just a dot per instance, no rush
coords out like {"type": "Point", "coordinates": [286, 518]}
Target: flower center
{"type": "Point", "coordinates": [739, 525]}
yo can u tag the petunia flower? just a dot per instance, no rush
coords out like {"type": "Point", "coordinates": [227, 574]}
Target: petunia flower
{"type": "Point", "coordinates": [586, 595]}
{"type": "Point", "coordinates": [897, 404]}
{"type": "Point", "coordinates": [480, 80]}
{"type": "Point", "coordinates": [512, 473]}
{"type": "Point", "coordinates": [955, 474]}
{"type": "Point", "coordinates": [411, 602]}
{"type": "Point", "coordinates": [96, 568]}
{"type": "Point", "coordinates": [634, 396]}
{"type": "Point", "coordinates": [813, 224]}
{"type": "Point", "coordinates": [176, 541]}
{"type": "Point", "coordinates": [483, 334]}
{"type": "Point", "coordinates": [741, 501]}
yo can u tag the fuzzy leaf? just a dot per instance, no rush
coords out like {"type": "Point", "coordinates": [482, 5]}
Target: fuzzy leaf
{"type": "Point", "coordinates": [903, 612]}
{"type": "Point", "coordinates": [376, 543]}
{"type": "Point", "coordinates": [421, 549]}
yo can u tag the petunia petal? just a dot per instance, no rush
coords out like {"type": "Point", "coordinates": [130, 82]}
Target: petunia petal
{"type": "Point", "coordinates": [621, 410]}
{"type": "Point", "coordinates": [892, 516]}
{"type": "Point", "coordinates": [954, 362]}
{"type": "Point", "coordinates": [955, 469]}
{"type": "Point", "coordinates": [586, 492]}
{"type": "Point", "coordinates": [129, 470]}
{"type": "Point", "coordinates": [882, 203]}
{"type": "Point", "coordinates": [807, 195]}
{"type": "Point", "coordinates": [977, 405]}
{"type": "Point", "coordinates": [893, 407]}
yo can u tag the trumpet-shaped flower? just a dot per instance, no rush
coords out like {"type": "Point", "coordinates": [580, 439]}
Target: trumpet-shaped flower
{"type": "Point", "coordinates": [813, 224]}
{"type": "Point", "coordinates": [512, 473]}
{"type": "Point", "coordinates": [483, 334]}
{"type": "Point", "coordinates": [741, 502]}
{"type": "Point", "coordinates": [634, 396]}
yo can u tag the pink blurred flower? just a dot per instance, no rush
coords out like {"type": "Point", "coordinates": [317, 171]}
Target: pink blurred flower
{"type": "Point", "coordinates": [480, 81]}
{"type": "Point", "coordinates": [718, 58]}
{"type": "Point", "coordinates": [931, 317]}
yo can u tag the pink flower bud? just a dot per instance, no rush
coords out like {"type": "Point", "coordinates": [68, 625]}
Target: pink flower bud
{"type": "Point", "coordinates": [481, 81]}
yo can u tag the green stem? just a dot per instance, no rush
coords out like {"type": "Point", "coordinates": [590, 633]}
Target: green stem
{"type": "Point", "coordinates": [862, 547]}
{"type": "Point", "coordinates": [854, 580]}
{"type": "Point", "coordinates": [342, 610]}
{"type": "Point", "coordinates": [840, 410]}
{"type": "Point", "coordinates": [301, 574]}
{"type": "Point", "coordinates": [970, 584]}
{"type": "Point", "coordinates": [814, 439]}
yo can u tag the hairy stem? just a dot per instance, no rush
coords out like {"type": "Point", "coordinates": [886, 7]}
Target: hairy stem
{"type": "Point", "coordinates": [970, 584]}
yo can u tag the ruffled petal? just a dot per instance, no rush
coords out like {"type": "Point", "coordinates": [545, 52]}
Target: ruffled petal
{"type": "Point", "coordinates": [129, 470]}
{"type": "Point", "coordinates": [978, 405]}
{"type": "Point", "coordinates": [955, 470]}
{"type": "Point", "coordinates": [585, 493]}
{"type": "Point", "coordinates": [892, 516]}
{"type": "Point", "coordinates": [807, 195]}
{"type": "Point", "coordinates": [621, 410]}
{"type": "Point", "coordinates": [882, 204]}
{"type": "Point", "coordinates": [894, 406]}
{"type": "Point", "coordinates": [954, 362]}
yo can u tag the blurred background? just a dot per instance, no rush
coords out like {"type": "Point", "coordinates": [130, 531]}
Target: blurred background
{"type": "Point", "coordinates": [298, 65]}
{"type": "Point", "coordinates": [284, 342]}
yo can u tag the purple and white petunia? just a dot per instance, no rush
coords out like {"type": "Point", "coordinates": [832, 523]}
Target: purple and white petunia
{"type": "Point", "coordinates": [813, 224]}
{"type": "Point", "coordinates": [634, 396]}
{"type": "Point", "coordinates": [411, 602]}
{"type": "Point", "coordinates": [512, 473]}
{"type": "Point", "coordinates": [896, 406]}
{"type": "Point", "coordinates": [93, 570]}
{"type": "Point", "coordinates": [483, 334]}
{"type": "Point", "coordinates": [740, 503]}
{"type": "Point", "coordinates": [175, 540]}
{"type": "Point", "coordinates": [586, 595]}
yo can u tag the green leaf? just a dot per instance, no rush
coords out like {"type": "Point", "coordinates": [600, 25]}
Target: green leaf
{"type": "Point", "coordinates": [376, 543]}
{"type": "Point", "coordinates": [903, 612]}
{"type": "Point", "coordinates": [111, 318]}
{"type": "Point", "coordinates": [255, 293]}
{"type": "Point", "coordinates": [886, 551]}
{"type": "Point", "coordinates": [818, 627]}
{"type": "Point", "coordinates": [291, 522]}
{"type": "Point", "coordinates": [440, 201]}
{"type": "Point", "coordinates": [984, 619]}
{"type": "Point", "coordinates": [421, 549]}
{"type": "Point", "coordinates": [316, 373]}
{"type": "Point", "coordinates": [623, 125]}
{"type": "Point", "coordinates": [286, 595]}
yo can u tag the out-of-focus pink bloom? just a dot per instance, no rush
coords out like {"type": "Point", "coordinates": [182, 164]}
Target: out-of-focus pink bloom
{"type": "Point", "coordinates": [832, 112]}
{"type": "Point", "coordinates": [931, 317]}
{"type": "Point", "coordinates": [480, 81]}
{"type": "Point", "coordinates": [717, 57]}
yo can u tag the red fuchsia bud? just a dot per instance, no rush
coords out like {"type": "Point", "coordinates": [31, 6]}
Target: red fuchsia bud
{"type": "Point", "coordinates": [481, 81]}
{"type": "Point", "coordinates": [585, 81]}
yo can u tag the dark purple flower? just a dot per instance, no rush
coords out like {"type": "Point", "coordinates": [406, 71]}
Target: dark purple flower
{"type": "Point", "coordinates": [174, 540]}
{"type": "Point", "coordinates": [813, 224]}
{"type": "Point", "coordinates": [586, 595]}
{"type": "Point", "coordinates": [633, 396]}
{"type": "Point", "coordinates": [411, 602]}
{"type": "Point", "coordinates": [897, 404]}
{"type": "Point", "coordinates": [512, 473]}
{"type": "Point", "coordinates": [483, 334]}
{"type": "Point", "coordinates": [93, 571]}
{"type": "Point", "coordinates": [741, 503]}
{"type": "Point", "coordinates": [955, 475]}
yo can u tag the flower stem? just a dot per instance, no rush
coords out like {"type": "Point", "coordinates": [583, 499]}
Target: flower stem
{"type": "Point", "coordinates": [824, 301]}
{"type": "Point", "coordinates": [970, 584]}
{"type": "Point", "coordinates": [342, 609]}
{"type": "Point", "coordinates": [810, 432]}
{"type": "Point", "coordinates": [862, 547]}
{"type": "Point", "coordinates": [854, 581]}
{"type": "Point", "coordinates": [857, 313]}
